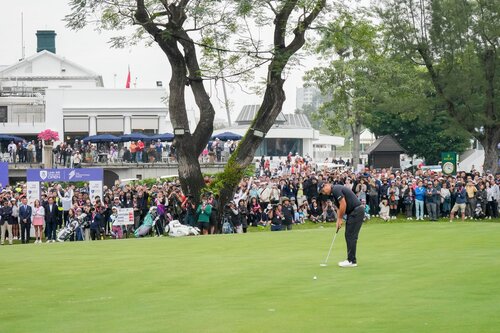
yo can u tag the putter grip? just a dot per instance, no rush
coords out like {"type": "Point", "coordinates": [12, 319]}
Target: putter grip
{"type": "Point", "coordinates": [337, 230]}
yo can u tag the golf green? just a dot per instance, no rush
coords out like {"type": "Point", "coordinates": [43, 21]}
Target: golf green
{"type": "Point", "coordinates": [412, 277]}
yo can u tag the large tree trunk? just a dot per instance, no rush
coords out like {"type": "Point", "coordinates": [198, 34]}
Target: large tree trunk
{"type": "Point", "coordinates": [490, 141]}
{"type": "Point", "coordinates": [244, 154]}
{"type": "Point", "coordinates": [274, 96]}
{"type": "Point", "coordinates": [189, 169]}
{"type": "Point", "coordinates": [185, 72]}
{"type": "Point", "coordinates": [356, 138]}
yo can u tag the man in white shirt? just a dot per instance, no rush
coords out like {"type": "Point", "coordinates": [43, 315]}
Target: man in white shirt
{"type": "Point", "coordinates": [12, 148]}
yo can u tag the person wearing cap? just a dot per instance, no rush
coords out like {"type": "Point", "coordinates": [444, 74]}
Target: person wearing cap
{"type": "Point", "coordinates": [347, 204]}
{"type": "Point", "coordinates": [460, 201]}
{"type": "Point", "coordinates": [288, 214]}
{"type": "Point", "coordinates": [470, 204]}
{"type": "Point", "coordinates": [430, 201]}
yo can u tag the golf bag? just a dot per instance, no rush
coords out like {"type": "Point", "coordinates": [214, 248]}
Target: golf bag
{"type": "Point", "coordinates": [478, 212]}
{"type": "Point", "coordinates": [150, 220]}
{"type": "Point", "coordinates": [227, 226]}
{"type": "Point", "coordinates": [70, 228]}
{"type": "Point", "coordinates": [177, 229]}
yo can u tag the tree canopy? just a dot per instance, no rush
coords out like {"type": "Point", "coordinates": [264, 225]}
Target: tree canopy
{"type": "Point", "coordinates": [457, 42]}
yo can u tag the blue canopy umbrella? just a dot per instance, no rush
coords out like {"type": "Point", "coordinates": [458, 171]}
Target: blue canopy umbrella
{"type": "Point", "coordinates": [101, 138]}
{"type": "Point", "coordinates": [134, 137]}
{"type": "Point", "coordinates": [226, 136]}
{"type": "Point", "coordinates": [8, 137]}
{"type": "Point", "coordinates": [163, 137]}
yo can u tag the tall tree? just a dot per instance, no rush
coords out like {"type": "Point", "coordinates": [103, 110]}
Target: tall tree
{"type": "Point", "coordinates": [457, 42]}
{"type": "Point", "coordinates": [186, 30]}
{"type": "Point", "coordinates": [347, 47]}
{"type": "Point", "coordinates": [405, 106]}
{"type": "Point", "coordinates": [291, 19]}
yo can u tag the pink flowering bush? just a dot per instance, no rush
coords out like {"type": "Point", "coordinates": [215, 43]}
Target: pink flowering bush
{"type": "Point", "coordinates": [48, 135]}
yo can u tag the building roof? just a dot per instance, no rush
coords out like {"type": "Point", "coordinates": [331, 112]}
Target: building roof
{"type": "Point", "coordinates": [7, 71]}
{"type": "Point", "coordinates": [329, 140]}
{"type": "Point", "coordinates": [248, 113]}
{"type": "Point", "coordinates": [296, 121]}
{"type": "Point", "coordinates": [385, 143]}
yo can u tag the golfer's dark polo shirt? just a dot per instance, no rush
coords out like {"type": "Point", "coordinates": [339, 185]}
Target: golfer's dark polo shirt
{"type": "Point", "coordinates": [339, 192]}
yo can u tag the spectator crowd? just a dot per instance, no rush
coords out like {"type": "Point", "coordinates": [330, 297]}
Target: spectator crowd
{"type": "Point", "coordinates": [280, 194]}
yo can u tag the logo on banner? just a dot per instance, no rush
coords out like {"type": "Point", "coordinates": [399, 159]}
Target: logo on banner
{"type": "Point", "coordinates": [72, 174]}
{"type": "Point", "coordinates": [43, 174]}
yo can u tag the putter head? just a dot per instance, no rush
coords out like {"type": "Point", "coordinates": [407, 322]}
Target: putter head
{"type": "Point", "coordinates": [323, 265]}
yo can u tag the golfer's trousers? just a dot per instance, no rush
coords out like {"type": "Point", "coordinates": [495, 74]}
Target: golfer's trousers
{"type": "Point", "coordinates": [352, 228]}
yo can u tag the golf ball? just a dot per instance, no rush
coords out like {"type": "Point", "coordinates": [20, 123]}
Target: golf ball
{"type": "Point", "coordinates": [315, 277]}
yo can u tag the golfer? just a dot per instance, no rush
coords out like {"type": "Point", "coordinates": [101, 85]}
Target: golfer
{"type": "Point", "coordinates": [348, 204]}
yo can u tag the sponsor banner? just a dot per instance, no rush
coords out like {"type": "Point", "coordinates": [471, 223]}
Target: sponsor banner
{"type": "Point", "coordinates": [360, 168]}
{"type": "Point", "coordinates": [125, 216]}
{"type": "Point", "coordinates": [64, 175]}
{"type": "Point", "coordinates": [33, 191]}
{"type": "Point", "coordinates": [449, 163]}
{"type": "Point", "coordinates": [4, 174]}
{"type": "Point", "coordinates": [95, 188]}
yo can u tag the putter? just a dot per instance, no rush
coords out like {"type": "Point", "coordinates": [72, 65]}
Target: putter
{"type": "Point", "coordinates": [324, 264]}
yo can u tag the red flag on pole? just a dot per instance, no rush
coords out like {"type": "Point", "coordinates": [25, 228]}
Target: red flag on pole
{"type": "Point", "coordinates": [127, 85]}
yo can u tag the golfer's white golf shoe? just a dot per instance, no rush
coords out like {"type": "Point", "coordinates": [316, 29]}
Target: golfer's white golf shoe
{"type": "Point", "coordinates": [347, 263]}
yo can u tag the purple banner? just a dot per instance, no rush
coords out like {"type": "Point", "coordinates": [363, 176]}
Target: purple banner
{"type": "Point", "coordinates": [4, 174]}
{"type": "Point", "coordinates": [64, 175]}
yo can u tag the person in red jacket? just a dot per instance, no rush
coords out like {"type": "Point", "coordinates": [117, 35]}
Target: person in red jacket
{"type": "Point", "coordinates": [139, 149]}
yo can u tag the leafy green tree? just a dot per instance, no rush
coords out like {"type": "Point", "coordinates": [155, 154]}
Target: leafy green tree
{"type": "Point", "coordinates": [347, 48]}
{"type": "Point", "coordinates": [390, 94]}
{"type": "Point", "coordinates": [457, 42]}
{"type": "Point", "coordinates": [405, 106]}
{"type": "Point", "coordinates": [191, 33]}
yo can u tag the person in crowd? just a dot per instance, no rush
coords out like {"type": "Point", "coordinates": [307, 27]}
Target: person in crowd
{"type": "Point", "coordinates": [51, 212]}
{"type": "Point", "coordinates": [38, 220]}
{"type": "Point", "coordinates": [15, 218]}
{"type": "Point", "coordinates": [315, 212]}
{"type": "Point", "coordinates": [420, 192]}
{"type": "Point", "coordinates": [430, 201]}
{"type": "Point", "coordinates": [460, 201]}
{"type": "Point", "coordinates": [445, 196]}
{"type": "Point", "coordinates": [204, 211]}
{"type": "Point", "coordinates": [384, 210]}
{"type": "Point", "coordinates": [139, 149]}
{"type": "Point", "coordinates": [329, 214]}
{"type": "Point", "coordinates": [493, 194]}
{"type": "Point", "coordinates": [288, 214]}
{"type": "Point", "coordinates": [470, 205]}
{"type": "Point", "coordinates": [408, 199]}
{"type": "Point", "coordinates": [6, 221]}
{"type": "Point", "coordinates": [12, 150]}
{"type": "Point", "coordinates": [25, 215]}
{"type": "Point", "coordinates": [243, 214]}
{"type": "Point", "coordinates": [393, 197]}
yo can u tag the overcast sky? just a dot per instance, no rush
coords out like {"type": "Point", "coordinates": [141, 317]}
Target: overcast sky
{"type": "Point", "coordinates": [90, 49]}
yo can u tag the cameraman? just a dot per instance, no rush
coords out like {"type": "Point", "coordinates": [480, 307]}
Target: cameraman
{"type": "Point", "coordinates": [461, 198]}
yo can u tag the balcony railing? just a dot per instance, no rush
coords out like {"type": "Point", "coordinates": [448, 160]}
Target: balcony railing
{"type": "Point", "coordinates": [22, 114]}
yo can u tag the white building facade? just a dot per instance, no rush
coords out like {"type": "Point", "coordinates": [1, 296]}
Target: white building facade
{"type": "Point", "coordinates": [48, 91]}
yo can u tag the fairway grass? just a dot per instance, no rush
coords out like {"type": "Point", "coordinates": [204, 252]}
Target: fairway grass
{"type": "Point", "coordinates": [412, 277]}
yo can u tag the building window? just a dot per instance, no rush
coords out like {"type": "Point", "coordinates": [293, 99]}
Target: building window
{"type": "Point", "coordinates": [283, 146]}
{"type": "Point", "coordinates": [3, 114]}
